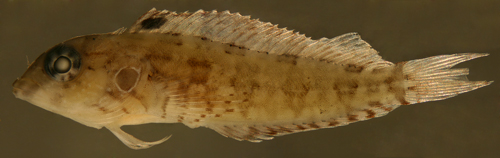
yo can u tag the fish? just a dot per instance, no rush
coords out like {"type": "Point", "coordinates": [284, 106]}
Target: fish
{"type": "Point", "coordinates": [241, 77]}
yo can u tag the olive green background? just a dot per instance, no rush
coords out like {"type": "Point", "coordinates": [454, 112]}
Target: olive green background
{"type": "Point", "coordinates": [463, 126]}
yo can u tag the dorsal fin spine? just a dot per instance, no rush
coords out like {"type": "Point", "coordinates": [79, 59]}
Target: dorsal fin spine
{"type": "Point", "coordinates": [232, 28]}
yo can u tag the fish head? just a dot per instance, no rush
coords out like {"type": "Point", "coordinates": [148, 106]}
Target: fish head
{"type": "Point", "coordinates": [68, 81]}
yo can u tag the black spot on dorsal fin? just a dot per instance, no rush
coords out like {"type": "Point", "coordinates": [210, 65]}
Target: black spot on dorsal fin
{"type": "Point", "coordinates": [153, 23]}
{"type": "Point", "coordinates": [246, 33]}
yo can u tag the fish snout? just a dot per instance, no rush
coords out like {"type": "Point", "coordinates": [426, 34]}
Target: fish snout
{"type": "Point", "coordinates": [24, 88]}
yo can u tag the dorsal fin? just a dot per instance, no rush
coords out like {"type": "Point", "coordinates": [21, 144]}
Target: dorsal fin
{"type": "Point", "coordinates": [255, 35]}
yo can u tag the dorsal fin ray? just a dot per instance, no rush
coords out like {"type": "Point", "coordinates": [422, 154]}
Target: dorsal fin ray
{"type": "Point", "coordinates": [255, 35]}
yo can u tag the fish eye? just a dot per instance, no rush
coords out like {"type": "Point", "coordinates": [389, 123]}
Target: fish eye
{"type": "Point", "coordinates": [62, 63]}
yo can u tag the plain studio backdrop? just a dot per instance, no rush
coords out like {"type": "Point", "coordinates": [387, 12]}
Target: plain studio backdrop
{"type": "Point", "coordinates": [401, 30]}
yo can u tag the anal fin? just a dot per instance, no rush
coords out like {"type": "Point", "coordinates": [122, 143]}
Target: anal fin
{"type": "Point", "coordinates": [267, 131]}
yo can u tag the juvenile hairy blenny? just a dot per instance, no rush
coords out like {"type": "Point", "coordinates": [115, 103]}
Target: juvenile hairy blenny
{"type": "Point", "coordinates": [243, 78]}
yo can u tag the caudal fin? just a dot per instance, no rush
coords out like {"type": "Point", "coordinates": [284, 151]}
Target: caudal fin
{"type": "Point", "coordinates": [432, 78]}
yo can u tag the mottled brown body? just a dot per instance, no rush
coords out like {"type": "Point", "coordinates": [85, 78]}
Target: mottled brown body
{"type": "Point", "coordinates": [197, 81]}
{"type": "Point", "coordinates": [243, 78]}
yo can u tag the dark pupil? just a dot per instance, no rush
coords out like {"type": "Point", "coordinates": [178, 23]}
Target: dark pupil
{"type": "Point", "coordinates": [62, 64]}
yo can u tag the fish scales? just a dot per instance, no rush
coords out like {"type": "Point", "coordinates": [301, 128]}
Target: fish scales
{"type": "Point", "coordinates": [243, 78]}
{"type": "Point", "coordinates": [220, 76]}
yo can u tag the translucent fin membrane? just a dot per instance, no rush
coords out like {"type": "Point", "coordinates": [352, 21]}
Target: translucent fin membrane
{"type": "Point", "coordinates": [431, 79]}
{"type": "Point", "coordinates": [260, 36]}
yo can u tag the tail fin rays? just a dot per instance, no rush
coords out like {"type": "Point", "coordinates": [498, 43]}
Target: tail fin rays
{"type": "Point", "coordinates": [431, 79]}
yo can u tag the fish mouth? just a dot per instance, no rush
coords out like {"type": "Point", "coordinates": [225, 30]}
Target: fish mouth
{"type": "Point", "coordinates": [24, 88]}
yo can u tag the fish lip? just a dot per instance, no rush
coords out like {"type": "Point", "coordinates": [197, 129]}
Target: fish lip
{"type": "Point", "coordinates": [16, 91]}
{"type": "Point", "coordinates": [19, 88]}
